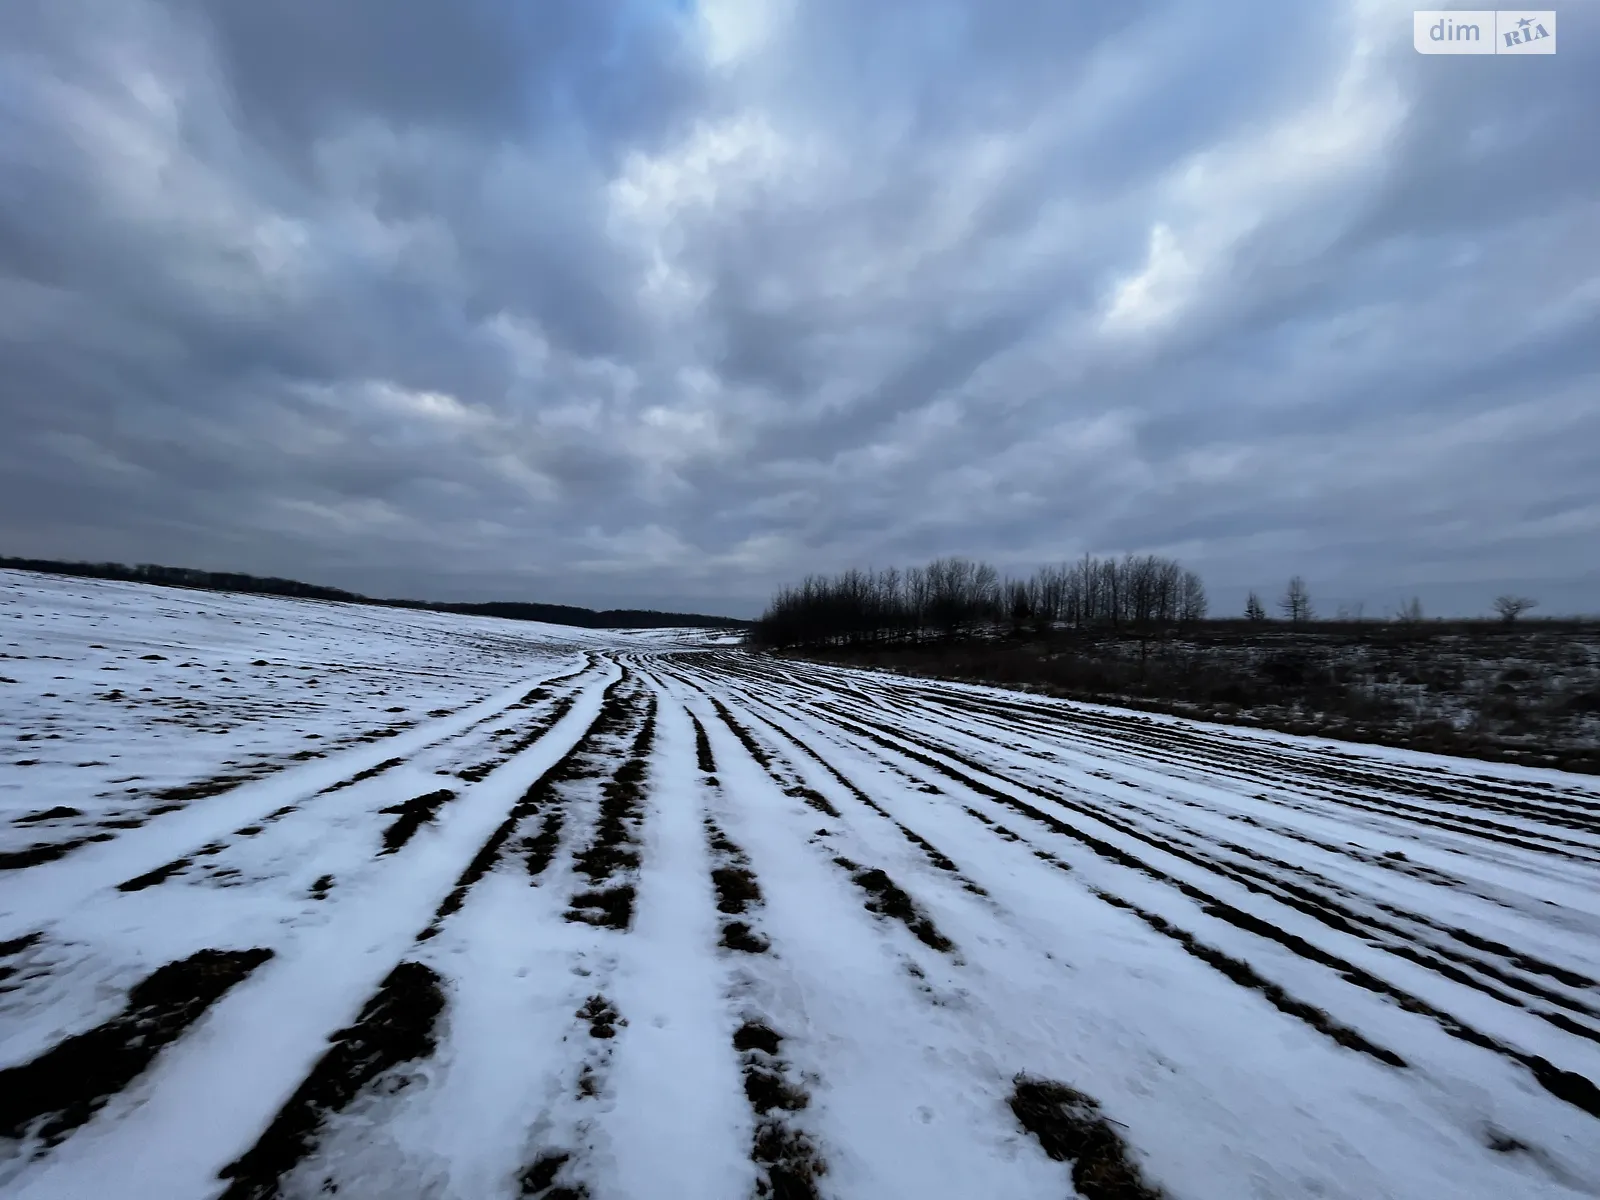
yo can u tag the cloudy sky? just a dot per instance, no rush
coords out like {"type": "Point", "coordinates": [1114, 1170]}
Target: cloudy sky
{"type": "Point", "coordinates": [661, 303]}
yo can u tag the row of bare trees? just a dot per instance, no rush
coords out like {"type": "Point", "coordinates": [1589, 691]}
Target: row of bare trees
{"type": "Point", "coordinates": [1295, 604]}
{"type": "Point", "coordinates": [1296, 607]}
{"type": "Point", "coordinates": [953, 597]}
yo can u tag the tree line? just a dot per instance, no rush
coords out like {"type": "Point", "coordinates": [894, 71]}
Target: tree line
{"type": "Point", "coordinates": [955, 597]}
{"type": "Point", "coordinates": [233, 581]}
{"type": "Point", "coordinates": [1296, 607]}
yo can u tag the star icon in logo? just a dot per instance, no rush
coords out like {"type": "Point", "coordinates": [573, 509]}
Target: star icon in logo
{"type": "Point", "coordinates": [1525, 22]}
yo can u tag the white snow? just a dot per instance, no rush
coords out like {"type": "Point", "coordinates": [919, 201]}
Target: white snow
{"type": "Point", "coordinates": [1029, 833]}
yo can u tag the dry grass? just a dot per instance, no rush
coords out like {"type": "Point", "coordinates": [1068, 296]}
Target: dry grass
{"type": "Point", "coordinates": [1527, 693]}
{"type": "Point", "coordinates": [1071, 1128]}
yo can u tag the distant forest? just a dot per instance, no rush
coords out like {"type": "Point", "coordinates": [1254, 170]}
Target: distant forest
{"type": "Point", "coordinates": [955, 597]}
{"type": "Point", "coordinates": [232, 581]}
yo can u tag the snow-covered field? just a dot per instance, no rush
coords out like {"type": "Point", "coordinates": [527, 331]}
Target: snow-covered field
{"type": "Point", "coordinates": [301, 899]}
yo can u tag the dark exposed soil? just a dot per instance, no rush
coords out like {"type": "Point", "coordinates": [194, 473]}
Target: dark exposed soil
{"type": "Point", "coordinates": [737, 935]}
{"type": "Point", "coordinates": [602, 1017]}
{"type": "Point", "coordinates": [720, 842]}
{"type": "Point", "coordinates": [1237, 970]}
{"type": "Point", "coordinates": [59, 812]}
{"type": "Point", "coordinates": [766, 1089]}
{"type": "Point", "coordinates": [1522, 960]}
{"type": "Point", "coordinates": [150, 878]}
{"type": "Point", "coordinates": [1245, 975]}
{"type": "Point", "coordinates": [610, 908]}
{"type": "Point", "coordinates": [887, 898]}
{"type": "Point", "coordinates": [17, 945]}
{"type": "Point", "coordinates": [1071, 1128]}
{"type": "Point", "coordinates": [937, 857]}
{"type": "Point", "coordinates": [613, 854]}
{"type": "Point", "coordinates": [542, 1173]}
{"type": "Point", "coordinates": [395, 1026]}
{"type": "Point", "coordinates": [702, 748]}
{"type": "Point", "coordinates": [378, 735]}
{"type": "Point", "coordinates": [10, 948]}
{"type": "Point", "coordinates": [541, 791]}
{"type": "Point", "coordinates": [1574, 1088]}
{"type": "Point", "coordinates": [481, 771]}
{"type": "Point", "coordinates": [370, 773]}
{"type": "Point", "coordinates": [33, 856]}
{"type": "Point", "coordinates": [812, 797]}
{"type": "Point", "coordinates": [739, 731]}
{"type": "Point", "coordinates": [621, 808]}
{"type": "Point", "coordinates": [411, 815]}
{"type": "Point", "coordinates": [787, 1161]}
{"type": "Point", "coordinates": [67, 1084]}
{"type": "Point", "coordinates": [1504, 1143]}
{"type": "Point", "coordinates": [538, 1181]}
{"type": "Point", "coordinates": [540, 848]}
{"type": "Point", "coordinates": [124, 822]}
{"type": "Point", "coordinates": [204, 789]}
{"type": "Point", "coordinates": [736, 887]}
{"type": "Point", "coordinates": [753, 1035]}
{"type": "Point", "coordinates": [1008, 834]}
{"type": "Point", "coordinates": [737, 891]}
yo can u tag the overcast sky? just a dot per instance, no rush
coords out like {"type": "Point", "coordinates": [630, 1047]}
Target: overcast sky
{"type": "Point", "coordinates": [661, 304]}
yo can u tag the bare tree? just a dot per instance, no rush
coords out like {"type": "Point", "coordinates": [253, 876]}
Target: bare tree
{"type": "Point", "coordinates": [1140, 581]}
{"type": "Point", "coordinates": [1049, 597]}
{"type": "Point", "coordinates": [983, 595]}
{"type": "Point", "coordinates": [1254, 610]}
{"type": "Point", "coordinates": [1512, 607]}
{"type": "Point", "coordinates": [1113, 592]}
{"type": "Point", "coordinates": [1090, 606]}
{"type": "Point", "coordinates": [1019, 598]}
{"type": "Point", "coordinates": [1410, 612]}
{"type": "Point", "coordinates": [888, 606]}
{"type": "Point", "coordinates": [956, 597]}
{"type": "Point", "coordinates": [916, 593]}
{"type": "Point", "coordinates": [1296, 602]}
{"type": "Point", "coordinates": [1192, 602]}
{"type": "Point", "coordinates": [1173, 589]}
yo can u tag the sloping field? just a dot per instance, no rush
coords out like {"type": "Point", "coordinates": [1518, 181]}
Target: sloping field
{"type": "Point", "coordinates": [615, 916]}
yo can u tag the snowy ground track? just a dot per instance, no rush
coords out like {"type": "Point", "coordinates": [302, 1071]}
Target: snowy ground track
{"type": "Point", "coordinates": [655, 922]}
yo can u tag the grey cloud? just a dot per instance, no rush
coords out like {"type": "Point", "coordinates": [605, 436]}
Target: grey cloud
{"type": "Point", "coordinates": [493, 299]}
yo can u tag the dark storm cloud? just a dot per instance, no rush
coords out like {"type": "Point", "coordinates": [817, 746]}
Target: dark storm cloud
{"type": "Point", "coordinates": [638, 302]}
